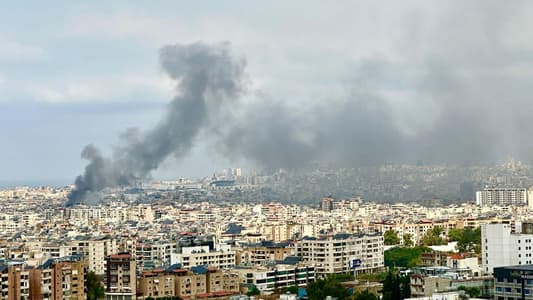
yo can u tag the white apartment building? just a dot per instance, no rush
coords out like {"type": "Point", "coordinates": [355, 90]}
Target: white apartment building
{"type": "Point", "coordinates": [500, 246]}
{"type": "Point", "coordinates": [332, 254]}
{"type": "Point", "coordinates": [95, 251]}
{"type": "Point", "coordinates": [504, 196]}
{"type": "Point", "coordinates": [222, 257]}
{"type": "Point", "coordinates": [154, 254]}
{"type": "Point", "coordinates": [269, 278]}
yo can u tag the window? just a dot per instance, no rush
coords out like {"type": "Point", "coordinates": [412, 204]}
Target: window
{"type": "Point", "coordinates": [508, 289]}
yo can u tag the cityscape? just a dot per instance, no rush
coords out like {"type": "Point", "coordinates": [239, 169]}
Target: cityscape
{"type": "Point", "coordinates": [239, 150]}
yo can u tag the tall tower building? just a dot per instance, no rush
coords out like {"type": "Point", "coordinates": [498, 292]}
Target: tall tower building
{"type": "Point", "coordinates": [501, 246]}
{"type": "Point", "coordinates": [120, 281]}
{"type": "Point", "coordinates": [327, 203]}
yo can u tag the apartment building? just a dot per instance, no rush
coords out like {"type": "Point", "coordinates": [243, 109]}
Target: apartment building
{"type": "Point", "coordinates": [504, 196]}
{"type": "Point", "coordinates": [41, 283]}
{"type": "Point", "coordinates": [156, 283]}
{"type": "Point", "coordinates": [269, 278]}
{"type": "Point", "coordinates": [332, 254]}
{"type": "Point", "coordinates": [280, 232]}
{"type": "Point", "coordinates": [14, 282]}
{"type": "Point", "coordinates": [62, 278]}
{"type": "Point", "coordinates": [150, 255]}
{"type": "Point", "coordinates": [502, 246]}
{"type": "Point", "coordinates": [263, 253]}
{"type": "Point", "coordinates": [199, 281]}
{"type": "Point", "coordinates": [222, 257]}
{"type": "Point", "coordinates": [120, 277]}
{"type": "Point", "coordinates": [190, 283]}
{"type": "Point", "coordinates": [426, 281]}
{"type": "Point", "coordinates": [433, 258]}
{"type": "Point", "coordinates": [513, 282]}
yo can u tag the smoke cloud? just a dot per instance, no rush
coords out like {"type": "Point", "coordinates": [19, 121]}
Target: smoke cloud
{"type": "Point", "coordinates": [208, 77]}
{"type": "Point", "coordinates": [454, 94]}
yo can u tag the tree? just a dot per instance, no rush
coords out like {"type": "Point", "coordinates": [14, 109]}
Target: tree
{"type": "Point", "coordinates": [391, 237]}
{"type": "Point", "coordinates": [396, 287]}
{"type": "Point", "coordinates": [365, 295]}
{"type": "Point", "coordinates": [330, 286]}
{"type": "Point", "coordinates": [473, 291]}
{"type": "Point", "coordinates": [94, 287]}
{"type": "Point", "coordinates": [403, 256]}
{"type": "Point", "coordinates": [433, 237]}
{"type": "Point", "coordinates": [468, 239]}
{"type": "Point", "coordinates": [388, 286]}
{"type": "Point", "coordinates": [408, 240]}
{"type": "Point", "coordinates": [291, 289]}
{"type": "Point", "coordinates": [253, 290]}
{"type": "Point", "coordinates": [454, 235]}
{"type": "Point", "coordinates": [405, 287]}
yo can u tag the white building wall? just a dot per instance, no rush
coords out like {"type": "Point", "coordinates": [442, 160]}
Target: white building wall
{"type": "Point", "coordinates": [500, 247]}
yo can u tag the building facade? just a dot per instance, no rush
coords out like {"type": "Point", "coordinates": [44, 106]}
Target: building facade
{"type": "Point", "coordinates": [513, 282]}
{"type": "Point", "coordinates": [277, 276]}
{"type": "Point", "coordinates": [332, 254]}
{"type": "Point", "coordinates": [502, 246]}
{"type": "Point", "coordinates": [120, 277]}
{"type": "Point", "coordinates": [504, 196]}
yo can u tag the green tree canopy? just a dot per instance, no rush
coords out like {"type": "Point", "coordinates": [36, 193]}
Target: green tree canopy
{"type": "Point", "coordinates": [408, 240]}
{"type": "Point", "coordinates": [291, 289]}
{"type": "Point", "coordinates": [433, 237]}
{"type": "Point", "coordinates": [396, 287]}
{"type": "Point", "coordinates": [390, 237]}
{"type": "Point", "coordinates": [330, 286]}
{"type": "Point", "coordinates": [94, 287]}
{"type": "Point", "coordinates": [365, 295]}
{"type": "Point", "coordinates": [403, 256]}
{"type": "Point", "coordinates": [253, 290]}
{"type": "Point", "coordinates": [454, 234]}
{"type": "Point", "coordinates": [473, 291]}
{"type": "Point", "coordinates": [469, 240]}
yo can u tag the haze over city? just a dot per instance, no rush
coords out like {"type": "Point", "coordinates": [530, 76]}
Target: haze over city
{"type": "Point", "coordinates": [396, 83]}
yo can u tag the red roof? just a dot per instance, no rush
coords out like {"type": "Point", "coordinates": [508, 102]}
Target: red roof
{"type": "Point", "coordinates": [122, 255]}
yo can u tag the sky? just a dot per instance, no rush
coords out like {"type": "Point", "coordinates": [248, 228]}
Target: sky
{"type": "Point", "coordinates": [74, 73]}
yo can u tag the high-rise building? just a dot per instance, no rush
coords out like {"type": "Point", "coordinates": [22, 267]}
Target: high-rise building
{"type": "Point", "coordinates": [335, 254]}
{"type": "Point", "coordinates": [119, 279]}
{"type": "Point", "coordinates": [501, 246]}
{"type": "Point", "coordinates": [14, 282]}
{"type": "Point", "coordinates": [58, 278]}
{"type": "Point", "coordinates": [504, 196]}
{"type": "Point", "coordinates": [327, 203]}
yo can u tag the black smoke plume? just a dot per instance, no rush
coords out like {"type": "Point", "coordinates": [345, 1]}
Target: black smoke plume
{"type": "Point", "coordinates": [457, 92]}
{"type": "Point", "coordinates": [207, 76]}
